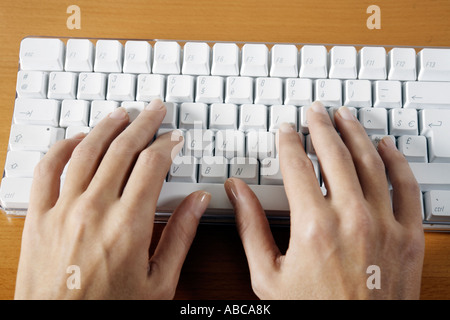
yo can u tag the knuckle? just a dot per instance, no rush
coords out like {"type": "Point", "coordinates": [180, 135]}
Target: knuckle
{"type": "Point", "coordinates": [372, 161]}
{"type": "Point", "coordinates": [299, 164]}
{"type": "Point", "coordinates": [46, 167]}
{"type": "Point", "coordinates": [85, 151]}
{"type": "Point", "coordinates": [125, 145]}
{"type": "Point", "coordinates": [151, 156]}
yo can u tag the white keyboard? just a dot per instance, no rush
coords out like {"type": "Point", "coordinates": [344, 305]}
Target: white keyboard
{"type": "Point", "coordinates": [229, 100]}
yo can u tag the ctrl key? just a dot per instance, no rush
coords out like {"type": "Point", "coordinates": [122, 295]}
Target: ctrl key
{"type": "Point", "coordinates": [15, 193]}
{"type": "Point", "coordinates": [437, 205]}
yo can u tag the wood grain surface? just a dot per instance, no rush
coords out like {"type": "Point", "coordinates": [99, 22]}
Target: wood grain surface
{"type": "Point", "coordinates": [216, 267]}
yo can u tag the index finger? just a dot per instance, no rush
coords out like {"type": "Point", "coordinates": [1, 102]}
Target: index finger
{"type": "Point", "coordinates": [300, 182]}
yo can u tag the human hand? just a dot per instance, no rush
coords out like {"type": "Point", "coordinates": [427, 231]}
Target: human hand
{"type": "Point", "coordinates": [103, 219]}
{"type": "Point", "coordinates": [334, 239]}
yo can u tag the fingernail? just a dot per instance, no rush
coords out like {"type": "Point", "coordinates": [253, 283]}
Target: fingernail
{"type": "Point", "coordinates": [287, 127]}
{"type": "Point", "coordinates": [202, 202]}
{"type": "Point", "coordinates": [388, 143]}
{"type": "Point", "coordinates": [230, 188]}
{"type": "Point", "coordinates": [155, 105]}
{"type": "Point", "coordinates": [318, 107]}
{"type": "Point", "coordinates": [119, 114]}
{"type": "Point", "coordinates": [346, 114]}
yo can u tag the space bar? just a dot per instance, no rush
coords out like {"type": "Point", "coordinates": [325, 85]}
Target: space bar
{"type": "Point", "coordinates": [432, 176]}
{"type": "Point", "coordinates": [272, 198]}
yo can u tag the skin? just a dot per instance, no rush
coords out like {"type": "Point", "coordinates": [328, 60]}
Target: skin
{"type": "Point", "coordinates": [334, 239]}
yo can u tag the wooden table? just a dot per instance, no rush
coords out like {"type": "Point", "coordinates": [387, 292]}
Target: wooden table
{"type": "Point", "coordinates": [216, 267]}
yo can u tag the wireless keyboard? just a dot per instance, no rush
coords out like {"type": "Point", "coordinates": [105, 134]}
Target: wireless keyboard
{"type": "Point", "coordinates": [229, 100]}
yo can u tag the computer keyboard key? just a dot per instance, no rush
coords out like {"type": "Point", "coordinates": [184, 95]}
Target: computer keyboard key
{"type": "Point", "coordinates": [431, 176]}
{"type": "Point", "coordinates": [435, 125]}
{"type": "Point", "coordinates": [403, 122]}
{"type": "Point", "coordinates": [298, 92]}
{"type": "Point", "coordinates": [269, 91]}
{"type": "Point", "coordinates": [171, 117]}
{"type": "Point", "coordinates": [121, 87]}
{"type": "Point", "coordinates": [225, 61]}
{"type": "Point", "coordinates": [183, 169]}
{"type": "Point", "coordinates": [358, 93]}
{"type": "Point", "coordinates": [213, 170]}
{"type": "Point", "coordinates": [199, 143]}
{"type": "Point", "coordinates": [37, 111]}
{"type": "Point", "coordinates": [196, 59]}
{"type": "Point", "coordinates": [239, 90]}
{"type": "Point", "coordinates": [422, 95]}
{"type": "Point", "coordinates": [223, 116]}
{"type": "Point", "coordinates": [372, 62]}
{"type": "Point", "coordinates": [137, 57]}
{"type": "Point", "coordinates": [313, 62]}
{"type": "Point", "coordinates": [280, 114]}
{"type": "Point", "coordinates": [374, 120]}
{"type": "Point", "coordinates": [167, 57]}
{"type": "Point", "coordinates": [343, 64]}
{"type": "Point", "coordinates": [180, 88]}
{"type": "Point", "coordinates": [42, 54]}
{"type": "Point", "coordinates": [413, 147]}
{"type": "Point", "coordinates": [100, 109]}
{"type": "Point", "coordinates": [21, 164]}
{"type": "Point", "coordinates": [402, 64]}
{"type": "Point", "coordinates": [15, 193]}
{"type": "Point", "coordinates": [193, 116]}
{"type": "Point", "coordinates": [284, 61]}
{"type": "Point", "coordinates": [230, 143]}
{"type": "Point", "coordinates": [92, 86]}
{"type": "Point", "coordinates": [434, 64]}
{"type": "Point", "coordinates": [108, 56]}
{"type": "Point", "coordinates": [79, 55]}
{"type": "Point", "coordinates": [260, 144]}
{"type": "Point", "coordinates": [33, 138]}
{"type": "Point", "coordinates": [62, 85]}
{"type": "Point", "coordinates": [72, 131]}
{"type": "Point", "coordinates": [74, 113]}
{"type": "Point", "coordinates": [329, 92]}
{"type": "Point", "coordinates": [387, 94]}
{"type": "Point", "coordinates": [270, 173]}
{"type": "Point", "coordinates": [437, 205]}
{"type": "Point", "coordinates": [246, 169]}
{"type": "Point", "coordinates": [150, 87]}
{"type": "Point", "coordinates": [255, 60]}
{"type": "Point", "coordinates": [209, 89]}
{"type": "Point", "coordinates": [253, 117]}
{"type": "Point", "coordinates": [32, 84]}
{"type": "Point", "coordinates": [133, 108]}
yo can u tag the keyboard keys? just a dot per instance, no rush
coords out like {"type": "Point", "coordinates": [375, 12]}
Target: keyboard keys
{"type": "Point", "coordinates": [15, 193]}
{"type": "Point", "coordinates": [196, 58]}
{"type": "Point", "coordinates": [183, 169]}
{"type": "Point", "coordinates": [435, 125]}
{"type": "Point", "coordinates": [387, 94]}
{"type": "Point", "coordinates": [372, 62]}
{"type": "Point", "coordinates": [432, 176]}
{"type": "Point", "coordinates": [329, 92]}
{"type": "Point", "coordinates": [422, 95]}
{"type": "Point", "coordinates": [121, 87]}
{"type": "Point", "coordinates": [253, 117]}
{"type": "Point", "coordinates": [100, 109]}
{"type": "Point", "coordinates": [225, 61]}
{"type": "Point", "coordinates": [298, 92]}
{"type": "Point", "coordinates": [42, 54]}
{"type": "Point", "coordinates": [402, 64]}
{"type": "Point", "coordinates": [403, 122]}
{"type": "Point", "coordinates": [213, 170]}
{"type": "Point", "coordinates": [32, 84]}
{"type": "Point", "coordinates": [137, 57]}
{"type": "Point", "coordinates": [167, 58]}
{"type": "Point", "coordinates": [80, 55]}
{"type": "Point", "coordinates": [92, 86]}
{"type": "Point", "coordinates": [437, 205]}
{"type": "Point", "coordinates": [358, 93]}
{"type": "Point", "coordinates": [260, 144]}
{"type": "Point", "coordinates": [434, 65]}
{"type": "Point", "coordinates": [74, 113]}
{"type": "Point", "coordinates": [43, 112]}
{"type": "Point", "coordinates": [209, 89]}
{"type": "Point", "coordinates": [313, 62]}
{"type": "Point", "coordinates": [284, 61]}
{"type": "Point", "coordinates": [269, 91]}
{"type": "Point", "coordinates": [414, 148]}
{"type": "Point", "coordinates": [33, 138]}
{"type": "Point", "coordinates": [108, 56]}
{"type": "Point", "coordinates": [255, 60]}
{"type": "Point", "coordinates": [271, 172]}
{"type": "Point", "coordinates": [180, 88]}
{"type": "Point", "coordinates": [280, 114]}
{"type": "Point", "coordinates": [374, 120]}
{"type": "Point", "coordinates": [230, 144]}
{"type": "Point", "coordinates": [223, 116]}
{"type": "Point", "coordinates": [246, 169]}
{"type": "Point", "coordinates": [21, 164]}
{"type": "Point", "coordinates": [193, 116]}
{"type": "Point", "coordinates": [239, 90]}
{"type": "Point", "coordinates": [343, 63]}
{"type": "Point", "coordinates": [150, 87]}
{"type": "Point", "coordinates": [62, 85]}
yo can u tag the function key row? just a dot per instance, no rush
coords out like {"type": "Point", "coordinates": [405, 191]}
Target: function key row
{"type": "Point", "coordinates": [227, 59]}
